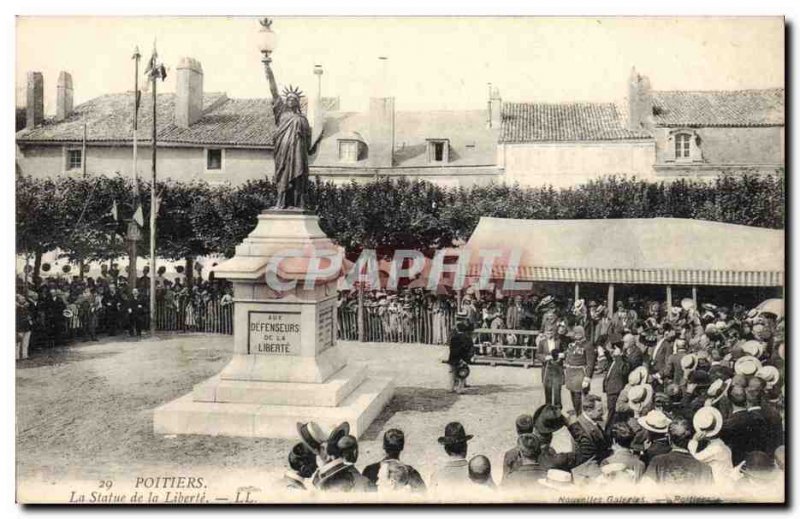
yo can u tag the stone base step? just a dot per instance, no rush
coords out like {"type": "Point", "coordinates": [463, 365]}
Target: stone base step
{"type": "Point", "coordinates": [327, 394]}
{"type": "Point", "coordinates": [186, 416]}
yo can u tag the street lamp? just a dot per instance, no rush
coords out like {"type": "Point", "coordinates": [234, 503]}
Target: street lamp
{"type": "Point", "coordinates": [267, 40]}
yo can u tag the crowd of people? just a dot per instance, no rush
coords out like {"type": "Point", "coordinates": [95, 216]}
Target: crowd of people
{"type": "Point", "coordinates": [53, 311]}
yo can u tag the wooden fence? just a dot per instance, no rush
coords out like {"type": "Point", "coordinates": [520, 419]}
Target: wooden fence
{"type": "Point", "coordinates": [381, 324]}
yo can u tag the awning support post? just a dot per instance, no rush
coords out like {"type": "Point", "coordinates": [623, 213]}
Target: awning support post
{"type": "Point", "coordinates": [669, 297]}
{"type": "Point", "coordinates": [577, 291]}
{"type": "Point", "coordinates": [694, 295]}
{"type": "Point", "coordinates": [610, 308]}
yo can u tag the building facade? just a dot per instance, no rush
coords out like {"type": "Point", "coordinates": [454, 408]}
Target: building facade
{"type": "Point", "coordinates": [653, 135]}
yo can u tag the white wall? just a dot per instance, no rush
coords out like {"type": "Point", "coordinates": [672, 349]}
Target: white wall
{"type": "Point", "coordinates": [571, 163]}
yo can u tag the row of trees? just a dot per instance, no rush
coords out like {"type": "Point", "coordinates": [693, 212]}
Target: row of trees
{"type": "Point", "coordinates": [197, 219]}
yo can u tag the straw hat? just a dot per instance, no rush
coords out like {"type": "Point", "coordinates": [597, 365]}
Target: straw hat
{"type": "Point", "coordinates": [637, 376]}
{"type": "Point", "coordinates": [752, 347]}
{"type": "Point", "coordinates": [655, 421]}
{"type": "Point", "coordinates": [709, 420]}
{"type": "Point", "coordinates": [747, 366]}
{"type": "Point", "coordinates": [688, 304]}
{"type": "Point", "coordinates": [640, 397]}
{"type": "Point", "coordinates": [718, 389]}
{"type": "Point", "coordinates": [769, 374]}
{"type": "Point", "coordinates": [689, 362]}
{"type": "Point", "coordinates": [312, 435]}
{"type": "Point", "coordinates": [557, 479]}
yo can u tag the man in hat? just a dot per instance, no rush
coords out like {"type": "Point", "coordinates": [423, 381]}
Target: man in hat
{"type": "Point", "coordinates": [579, 366]}
{"type": "Point", "coordinates": [599, 324]}
{"type": "Point", "coordinates": [528, 470]}
{"type": "Point", "coordinates": [302, 465]}
{"type": "Point", "coordinates": [740, 429]}
{"type": "Point", "coordinates": [657, 359]}
{"type": "Point", "coordinates": [632, 350]}
{"type": "Point", "coordinates": [674, 369]}
{"type": "Point", "coordinates": [393, 444]}
{"type": "Point", "coordinates": [454, 472]}
{"type": "Point", "coordinates": [335, 474]}
{"type": "Point", "coordinates": [524, 425]}
{"type": "Point", "coordinates": [707, 447]}
{"type": "Point", "coordinates": [621, 440]}
{"type": "Point", "coordinates": [615, 380]}
{"type": "Point", "coordinates": [552, 368]}
{"type": "Point", "coordinates": [590, 440]}
{"type": "Point", "coordinates": [655, 426]}
{"type": "Point", "coordinates": [718, 397]}
{"type": "Point", "coordinates": [461, 349]}
{"type": "Point", "coordinates": [678, 466]}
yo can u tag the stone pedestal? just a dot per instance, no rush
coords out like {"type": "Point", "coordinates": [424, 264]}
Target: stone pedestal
{"type": "Point", "coordinates": [287, 366]}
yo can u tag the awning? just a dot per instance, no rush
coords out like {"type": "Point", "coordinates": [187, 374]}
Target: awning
{"type": "Point", "coordinates": [663, 251]}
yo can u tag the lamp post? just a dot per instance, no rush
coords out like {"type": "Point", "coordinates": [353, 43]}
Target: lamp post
{"type": "Point", "coordinates": [267, 40]}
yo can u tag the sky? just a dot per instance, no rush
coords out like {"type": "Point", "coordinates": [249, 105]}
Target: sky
{"type": "Point", "coordinates": [433, 62]}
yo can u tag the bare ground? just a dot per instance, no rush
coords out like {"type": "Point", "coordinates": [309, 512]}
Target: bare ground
{"type": "Point", "coordinates": [84, 412]}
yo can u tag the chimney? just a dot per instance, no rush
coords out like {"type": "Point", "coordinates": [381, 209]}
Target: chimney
{"type": "Point", "coordinates": [381, 121]}
{"type": "Point", "coordinates": [640, 102]}
{"type": "Point", "coordinates": [315, 107]}
{"type": "Point", "coordinates": [34, 106]}
{"type": "Point", "coordinates": [495, 107]}
{"type": "Point", "coordinates": [64, 96]}
{"type": "Point", "coordinates": [188, 92]}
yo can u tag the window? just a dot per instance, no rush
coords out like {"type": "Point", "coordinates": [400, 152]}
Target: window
{"type": "Point", "coordinates": [214, 160]}
{"type": "Point", "coordinates": [438, 150]}
{"type": "Point", "coordinates": [683, 145]}
{"type": "Point", "coordinates": [74, 159]}
{"type": "Point", "coordinates": [348, 151]}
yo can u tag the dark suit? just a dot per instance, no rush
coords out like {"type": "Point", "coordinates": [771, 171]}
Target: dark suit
{"type": "Point", "coordinates": [415, 481]}
{"type": "Point", "coordinates": [741, 431]}
{"type": "Point", "coordinates": [672, 369]}
{"type": "Point", "coordinates": [775, 434]}
{"type": "Point", "coordinates": [615, 379]}
{"type": "Point", "coordinates": [658, 357]}
{"type": "Point", "coordinates": [590, 440]}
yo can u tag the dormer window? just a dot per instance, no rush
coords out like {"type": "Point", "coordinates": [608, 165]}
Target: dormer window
{"type": "Point", "coordinates": [438, 150]}
{"type": "Point", "coordinates": [683, 146]}
{"type": "Point", "coordinates": [348, 151]}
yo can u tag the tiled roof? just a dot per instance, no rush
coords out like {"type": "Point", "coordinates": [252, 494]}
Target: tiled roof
{"type": "Point", "coordinates": [547, 122]}
{"type": "Point", "coordinates": [108, 118]}
{"type": "Point", "coordinates": [471, 142]}
{"type": "Point", "coordinates": [719, 108]}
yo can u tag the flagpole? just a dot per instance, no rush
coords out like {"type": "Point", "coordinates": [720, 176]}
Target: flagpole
{"type": "Point", "coordinates": [153, 209]}
{"type": "Point", "coordinates": [132, 263]}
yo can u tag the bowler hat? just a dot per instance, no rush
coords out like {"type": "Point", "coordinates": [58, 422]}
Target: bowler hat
{"type": "Point", "coordinates": [394, 440]}
{"type": "Point", "coordinates": [311, 435]}
{"type": "Point", "coordinates": [548, 419]}
{"type": "Point", "coordinates": [700, 377]}
{"type": "Point", "coordinates": [709, 420]}
{"type": "Point", "coordinates": [655, 421]}
{"type": "Point", "coordinates": [454, 433]}
{"type": "Point", "coordinates": [341, 430]}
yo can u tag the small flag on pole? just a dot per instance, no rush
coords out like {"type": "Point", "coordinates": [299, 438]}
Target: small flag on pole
{"type": "Point", "coordinates": [138, 216]}
{"type": "Point", "coordinates": [114, 213]}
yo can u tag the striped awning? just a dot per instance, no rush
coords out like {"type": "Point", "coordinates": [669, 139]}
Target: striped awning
{"type": "Point", "coordinates": [656, 251]}
{"type": "Point", "coordinates": [636, 276]}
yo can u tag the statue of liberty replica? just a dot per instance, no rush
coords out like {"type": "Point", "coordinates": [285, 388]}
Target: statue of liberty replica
{"type": "Point", "coordinates": [292, 141]}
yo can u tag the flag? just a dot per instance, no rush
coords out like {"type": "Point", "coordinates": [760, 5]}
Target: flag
{"type": "Point", "coordinates": [138, 217]}
{"type": "Point", "coordinates": [155, 70]}
{"type": "Point", "coordinates": [114, 213]}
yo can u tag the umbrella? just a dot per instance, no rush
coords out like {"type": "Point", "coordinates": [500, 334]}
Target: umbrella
{"type": "Point", "coordinates": [772, 306]}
